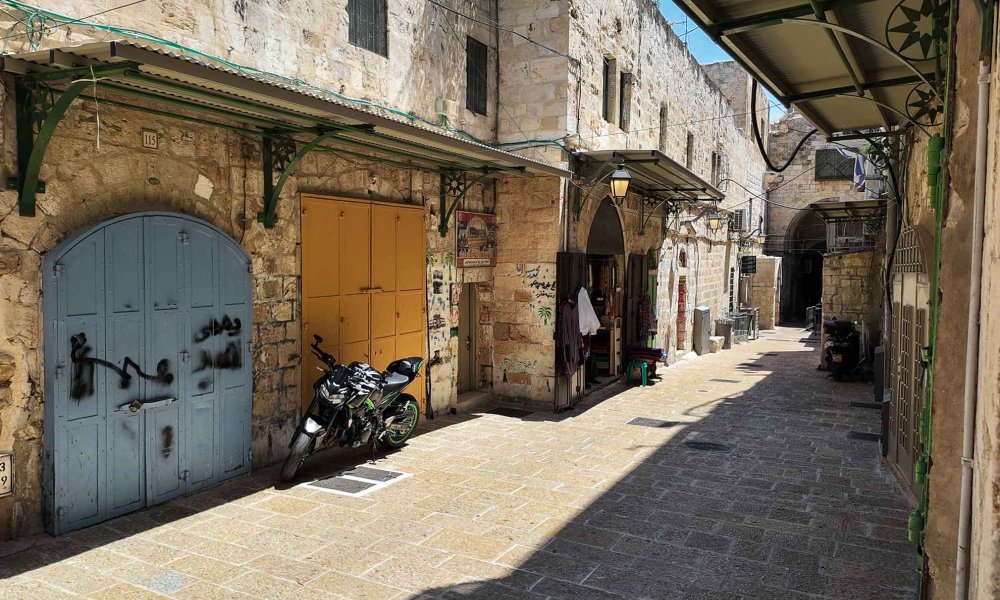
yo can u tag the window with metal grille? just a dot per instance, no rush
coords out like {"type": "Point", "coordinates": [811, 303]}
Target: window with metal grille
{"type": "Point", "coordinates": [739, 220]}
{"type": "Point", "coordinates": [476, 84]}
{"type": "Point", "coordinates": [368, 25]}
{"type": "Point", "coordinates": [625, 102]}
{"type": "Point", "coordinates": [832, 165]}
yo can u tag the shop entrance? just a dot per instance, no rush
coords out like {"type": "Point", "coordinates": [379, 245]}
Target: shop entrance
{"type": "Point", "coordinates": [147, 366]}
{"type": "Point", "coordinates": [363, 283]}
{"type": "Point", "coordinates": [604, 282]}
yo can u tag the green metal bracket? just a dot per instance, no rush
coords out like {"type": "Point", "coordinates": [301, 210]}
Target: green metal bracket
{"type": "Point", "coordinates": [454, 185]}
{"type": "Point", "coordinates": [672, 206]}
{"type": "Point", "coordinates": [38, 113]}
{"type": "Point", "coordinates": [281, 154]}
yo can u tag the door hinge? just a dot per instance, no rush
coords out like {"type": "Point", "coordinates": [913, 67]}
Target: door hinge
{"type": "Point", "coordinates": [59, 371]}
{"type": "Point", "coordinates": [185, 474]}
{"type": "Point", "coordinates": [57, 270]}
{"type": "Point", "coordinates": [184, 237]}
{"type": "Point", "coordinates": [60, 511]}
{"type": "Point", "coordinates": [250, 456]}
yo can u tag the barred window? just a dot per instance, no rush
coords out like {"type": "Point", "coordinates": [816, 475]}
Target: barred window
{"type": "Point", "coordinates": [476, 84]}
{"type": "Point", "coordinates": [832, 165]}
{"type": "Point", "coordinates": [368, 25]}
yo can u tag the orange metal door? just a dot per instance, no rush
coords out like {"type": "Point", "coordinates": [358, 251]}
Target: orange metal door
{"type": "Point", "coordinates": [320, 283]}
{"type": "Point", "coordinates": [411, 291]}
{"type": "Point", "coordinates": [355, 275]}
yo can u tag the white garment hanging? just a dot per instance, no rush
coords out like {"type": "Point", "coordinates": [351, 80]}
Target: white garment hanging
{"type": "Point", "coordinates": [589, 323]}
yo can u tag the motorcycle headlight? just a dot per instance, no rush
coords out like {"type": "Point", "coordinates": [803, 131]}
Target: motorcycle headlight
{"type": "Point", "coordinates": [330, 392]}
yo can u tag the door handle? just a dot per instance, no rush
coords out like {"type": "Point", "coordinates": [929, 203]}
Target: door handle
{"type": "Point", "coordinates": [372, 290]}
{"type": "Point", "coordinates": [137, 405]}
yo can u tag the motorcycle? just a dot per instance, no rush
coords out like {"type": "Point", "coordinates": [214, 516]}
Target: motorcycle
{"type": "Point", "coordinates": [842, 349]}
{"type": "Point", "coordinates": [353, 405]}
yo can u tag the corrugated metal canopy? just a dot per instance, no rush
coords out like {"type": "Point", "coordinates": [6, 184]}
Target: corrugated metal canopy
{"type": "Point", "coordinates": [848, 210]}
{"type": "Point", "coordinates": [656, 173]}
{"type": "Point", "coordinates": [844, 64]}
{"type": "Point", "coordinates": [140, 71]}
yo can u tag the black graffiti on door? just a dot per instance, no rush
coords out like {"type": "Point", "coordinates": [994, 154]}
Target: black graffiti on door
{"type": "Point", "coordinates": [82, 376]}
{"type": "Point", "coordinates": [227, 359]}
{"type": "Point", "coordinates": [232, 326]}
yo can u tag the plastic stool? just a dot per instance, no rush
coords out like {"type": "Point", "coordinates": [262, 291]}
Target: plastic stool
{"type": "Point", "coordinates": [641, 364]}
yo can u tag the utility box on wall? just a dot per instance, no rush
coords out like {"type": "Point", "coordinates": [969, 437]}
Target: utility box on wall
{"type": "Point", "coordinates": [702, 329]}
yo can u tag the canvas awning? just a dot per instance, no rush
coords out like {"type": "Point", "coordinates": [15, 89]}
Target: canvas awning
{"type": "Point", "coordinates": [844, 64]}
{"type": "Point", "coordinates": [653, 172]}
{"type": "Point", "coordinates": [292, 116]}
{"type": "Point", "coordinates": [849, 210]}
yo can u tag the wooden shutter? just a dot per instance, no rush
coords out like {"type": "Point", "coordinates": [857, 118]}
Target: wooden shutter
{"type": "Point", "coordinates": [476, 78]}
{"type": "Point", "coordinates": [368, 25]}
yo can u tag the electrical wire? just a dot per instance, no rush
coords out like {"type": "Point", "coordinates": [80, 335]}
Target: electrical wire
{"type": "Point", "coordinates": [760, 142]}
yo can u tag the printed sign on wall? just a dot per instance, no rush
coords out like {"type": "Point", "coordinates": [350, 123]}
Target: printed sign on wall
{"type": "Point", "coordinates": [477, 240]}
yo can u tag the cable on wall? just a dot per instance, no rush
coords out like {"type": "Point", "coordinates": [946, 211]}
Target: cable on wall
{"type": "Point", "coordinates": [760, 142]}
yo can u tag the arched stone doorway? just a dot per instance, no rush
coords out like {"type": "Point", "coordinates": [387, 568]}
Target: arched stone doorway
{"type": "Point", "coordinates": [147, 365]}
{"type": "Point", "coordinates": [802, 265]}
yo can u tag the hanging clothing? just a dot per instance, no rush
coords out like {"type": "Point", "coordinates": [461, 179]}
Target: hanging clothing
{"type": "Point", "coordinates": [645, 318]}
{"type": "Point", "coordinates": [589, 323]}
{"type": "Point", "coordinates": [568, 338]}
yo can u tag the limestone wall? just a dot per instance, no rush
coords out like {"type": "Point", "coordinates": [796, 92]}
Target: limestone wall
{"type": "Point", "coordinates": [763, 287]}
{"type": "Point", "coordinates": [848, 281]}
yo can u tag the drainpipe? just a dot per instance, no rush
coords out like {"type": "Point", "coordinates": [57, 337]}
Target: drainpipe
{"type": "Point", "coordinates": [972, 343]}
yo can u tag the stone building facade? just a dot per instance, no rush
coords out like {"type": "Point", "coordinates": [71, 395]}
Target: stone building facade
{"type": "Point", "coordinates": [794, 232]}
{"type": "Point", "coordinates": [544, 102]}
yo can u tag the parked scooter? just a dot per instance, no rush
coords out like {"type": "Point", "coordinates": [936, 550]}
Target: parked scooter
{"type": "Point", "coordinates": [353, 405]}
{"type": "Point", "coordinates": [842, 349]}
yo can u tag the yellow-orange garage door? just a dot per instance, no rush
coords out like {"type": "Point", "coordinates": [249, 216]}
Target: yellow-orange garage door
{"type": "Point", "coordinates": [363, 283]}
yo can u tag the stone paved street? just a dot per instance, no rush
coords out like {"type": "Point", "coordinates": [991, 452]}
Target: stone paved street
{"type": "Point", "coordinates": [755, 492]}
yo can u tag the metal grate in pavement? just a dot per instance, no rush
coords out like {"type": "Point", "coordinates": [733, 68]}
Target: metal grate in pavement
{"type": "Point", "coordinates": [863, 436]}
{"type": "Point", "coordinates": [875, 405]}
{"type": "Point", "coordinates": [706, 446]}
{"type": "Point", "coordinates": [505, 411]}
{"type": "Point", "coordinates": [358, 481]}
{"type": "Point", "coordinates": [644, 422]}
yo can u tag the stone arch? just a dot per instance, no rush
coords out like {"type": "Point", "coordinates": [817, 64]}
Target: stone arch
{"type": "Point", "coordinates": [606, 234]}
{"type": "Point", "coordinates": [803, 249]}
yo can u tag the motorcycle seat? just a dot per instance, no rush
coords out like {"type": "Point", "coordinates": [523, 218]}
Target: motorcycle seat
{"type": "Point", "coordinates": [395, 381]}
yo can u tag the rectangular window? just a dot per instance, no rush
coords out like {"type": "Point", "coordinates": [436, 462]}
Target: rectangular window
{"type": "Point", "coordinates": [625, 102]}
{"type": "Point", "coordinates": [739, 220]}
{"type": "Point", "coordinates": [476, 83]}
{"type": "Point", "coordinates": [716, 168]}
{"type": "Point", "coordinates": [609, 93]}
{"type": "Point", "coordinates": [832, 165]}
{"type": "Point", "coordinates": [689, 151]}
{"type": "Point", "coordinates": [368, 25]}
{"type": "Point", "coordinates": [664, 114]}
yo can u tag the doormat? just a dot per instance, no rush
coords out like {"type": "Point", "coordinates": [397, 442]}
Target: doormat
{"type": "Point", "coordinates": [864, 436]}
{"type": "Point", "coordinates": [725, 380]}
{"type": "Point", "coordinates": [707, 446]}
{"type": "Point", "coordinates": [505, 411]}
{"type": "Point", "coordinates": [644, 422]}
{"type": "Point", "coordinates": [875, 405]}
{"type": "Point", "coordinates": [358, 481]}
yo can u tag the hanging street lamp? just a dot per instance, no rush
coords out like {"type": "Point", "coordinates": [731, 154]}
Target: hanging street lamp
{"type": "Point", "coordinates": [620, 180]}
{"type": "Point", "coordinates": [714, 220]}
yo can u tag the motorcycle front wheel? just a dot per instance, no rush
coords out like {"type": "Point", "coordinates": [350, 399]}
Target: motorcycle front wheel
{"type": "Point", "coordinates": [408, 419]}
{"type": "Point", "coordinates": [300, 450]}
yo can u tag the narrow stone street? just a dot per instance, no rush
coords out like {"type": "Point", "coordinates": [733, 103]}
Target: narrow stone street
{"type": "Point", "coordinates": [749, 487]}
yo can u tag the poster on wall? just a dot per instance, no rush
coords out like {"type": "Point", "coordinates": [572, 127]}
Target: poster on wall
{"type": "Point", "coordinates": [477, 240]}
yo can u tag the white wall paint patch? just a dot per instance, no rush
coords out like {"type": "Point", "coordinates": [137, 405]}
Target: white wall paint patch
{"type": "Point", "coordinates": [203, 187]}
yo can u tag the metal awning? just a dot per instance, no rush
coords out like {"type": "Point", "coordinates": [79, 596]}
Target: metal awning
{"type": "Point", "coordinates": [849, 210]}
{"type": "Point", "coordinates": [654, 173]}
{"type": "Point", "coordinates": [292, 116]}
{"type": "Point", "coordinates": [844, 64]}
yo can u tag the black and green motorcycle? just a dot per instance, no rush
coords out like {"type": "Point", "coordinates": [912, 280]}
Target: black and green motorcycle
{"type": "Point", "coordinates": [354, 405]}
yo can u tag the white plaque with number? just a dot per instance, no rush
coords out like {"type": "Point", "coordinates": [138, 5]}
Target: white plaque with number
{"type": "Point", "coordinates": [6, 473]}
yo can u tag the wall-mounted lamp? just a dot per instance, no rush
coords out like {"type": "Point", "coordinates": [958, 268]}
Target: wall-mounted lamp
{"type": "Point", "coordinates": [620, 181]}
{"type": "Point", "coordinates": [714, 220]}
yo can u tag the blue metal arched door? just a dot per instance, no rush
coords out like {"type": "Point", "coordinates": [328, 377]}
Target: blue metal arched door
{"type": "Point", "coordinates": [147, 366]}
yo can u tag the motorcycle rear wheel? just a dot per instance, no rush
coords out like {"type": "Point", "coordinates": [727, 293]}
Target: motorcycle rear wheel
{"type": "Point", "coordinates": [411, 411]}
{"type": "Point", "coordinates": [300, 450]}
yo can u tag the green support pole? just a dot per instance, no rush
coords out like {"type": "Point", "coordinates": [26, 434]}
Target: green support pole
{"type": "Point", "coordinates": [269, 216]}
{"type": "Point", "coordinates": [30, 147]}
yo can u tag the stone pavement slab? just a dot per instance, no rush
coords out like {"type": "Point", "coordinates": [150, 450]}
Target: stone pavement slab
{"type": "Point", "coordinates": [747, 487]}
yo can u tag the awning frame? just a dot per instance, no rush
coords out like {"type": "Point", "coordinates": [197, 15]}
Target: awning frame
{"type": "Point", "coordinates": [46, 84]}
